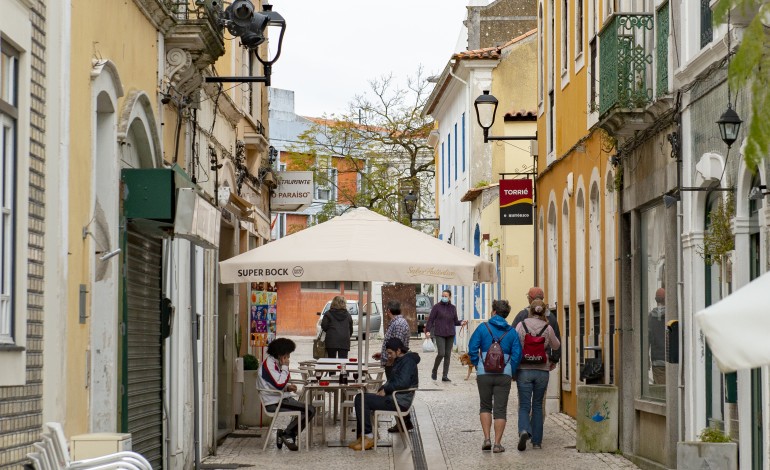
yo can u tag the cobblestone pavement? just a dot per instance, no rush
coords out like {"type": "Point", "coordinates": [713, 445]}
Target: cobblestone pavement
{"type": "Point", "coordinates": [452, 440]}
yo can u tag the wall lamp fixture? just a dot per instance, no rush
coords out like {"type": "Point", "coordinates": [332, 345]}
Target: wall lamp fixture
{"type": "Point", "coordinates": [758, 193]}
{"type": "Point", "coordinates": [486, 108]}
{"type": "Point", "coordinates": [242, 20]}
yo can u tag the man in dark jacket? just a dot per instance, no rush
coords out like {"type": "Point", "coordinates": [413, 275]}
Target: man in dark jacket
{"type": "Point", "coordinates": [403, 377]}
{"type": "Point", "coordinates": [537, 293]}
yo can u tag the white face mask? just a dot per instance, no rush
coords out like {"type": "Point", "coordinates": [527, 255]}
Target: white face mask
{"type": "Point", "coordinates": [445, 299]}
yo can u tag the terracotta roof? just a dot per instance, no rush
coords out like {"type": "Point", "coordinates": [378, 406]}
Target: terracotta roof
{"type": "Point", "coordinates": [519, 38]}
{"type": "Point", "coordinates": [486, 53]}
{"type": "Point", "coordinates": [473, 193]}
{"type": "Point", "coordinates": [520, 115]}
{"type": "Point", "coordinates": [491, 52]}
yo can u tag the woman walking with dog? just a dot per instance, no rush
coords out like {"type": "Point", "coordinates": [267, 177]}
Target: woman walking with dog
{"type": "Point", "coordinates": [441, 326]}
{"type": "Point", "coordinates": [536, 336]}
{"type": "Point", "coordinates": [495, 350]}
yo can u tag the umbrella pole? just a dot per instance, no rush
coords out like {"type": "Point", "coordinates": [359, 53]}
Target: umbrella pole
{"type": "Point", "coordinates": [361, 358]}
{"type": "Point", "coordinates": [368, 319]}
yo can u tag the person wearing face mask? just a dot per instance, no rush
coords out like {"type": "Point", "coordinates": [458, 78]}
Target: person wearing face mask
{"type": "Point", "coordinates": [441, 327]}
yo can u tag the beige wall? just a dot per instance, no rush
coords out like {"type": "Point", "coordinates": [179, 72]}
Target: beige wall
{"type": "Point", "coordinates": [514, 84]}
{"type": "Point", "coordinates": [119, 32]}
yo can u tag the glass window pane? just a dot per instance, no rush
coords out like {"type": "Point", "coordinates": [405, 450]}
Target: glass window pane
{"type": "Point", "coordinates": [653, 293]}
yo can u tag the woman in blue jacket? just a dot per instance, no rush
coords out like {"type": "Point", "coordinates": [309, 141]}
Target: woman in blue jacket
{"type": "Point", "coordinates": [495, 388]}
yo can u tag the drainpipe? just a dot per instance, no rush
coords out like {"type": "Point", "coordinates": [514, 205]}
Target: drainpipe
{"type": "Point", "coordinates": [680, 267]}
{"type": "Point", "coordinates": [194, 341]}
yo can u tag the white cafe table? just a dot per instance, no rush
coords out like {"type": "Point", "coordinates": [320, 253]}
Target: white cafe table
{"type": "Point", "coordinates": [333, 360]}
{"type": "Point", "coordinates": [333, 387]}
{"type": "Point", "coordinates": [349, 367]}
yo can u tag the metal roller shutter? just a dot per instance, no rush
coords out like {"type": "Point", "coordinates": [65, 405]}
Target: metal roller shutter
{"type": "Point", "coordinates": [144, 350]}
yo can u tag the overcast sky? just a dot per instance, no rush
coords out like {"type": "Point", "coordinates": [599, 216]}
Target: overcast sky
{"type": "Point", "coordinates": [332, 48]}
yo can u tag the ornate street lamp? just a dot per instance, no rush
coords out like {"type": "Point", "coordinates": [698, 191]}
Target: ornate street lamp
{"type": "Point", "coordinates": [242, 20]}
{"type": "Point", "coordinates": [486, 108]}
{"type": "Point", "coordinates": [729, 125]}
{"type": "Point", "coordinates": [410, 204]}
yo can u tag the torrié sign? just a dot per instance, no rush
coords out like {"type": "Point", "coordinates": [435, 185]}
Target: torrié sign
{"type": "Point", "coordinates": [516, 202]}
{"type": "Point", "coordinates": [294, 191]}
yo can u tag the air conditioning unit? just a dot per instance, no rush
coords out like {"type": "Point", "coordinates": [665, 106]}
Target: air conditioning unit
{"type": "Point", "coordinates": [196, 219]}
{"type": "Point", "coordinates": [88, 446]}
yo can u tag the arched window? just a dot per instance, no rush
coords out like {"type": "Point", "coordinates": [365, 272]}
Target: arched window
{"type": "Point", "coordinates": [553, 263]}
{"type": "Point", "coordinates": [715, 382]}
{"type": "Point", "coordinates": [580, 247]}
{"type": "Point", "coordinates": [566, 267]}
{"type": "Point", "coordinates": [594, 243]}
{"type": "Point", "coordinates": [540, 243]}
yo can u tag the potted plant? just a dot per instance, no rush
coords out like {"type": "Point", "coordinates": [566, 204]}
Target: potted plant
{"type": "Point", "coordinates": [714, 449]}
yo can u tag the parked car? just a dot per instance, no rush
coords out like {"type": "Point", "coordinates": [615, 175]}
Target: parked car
{"type": "Point", "coordinates": [424, 303]}
{"type": "Point", "coordinates": [374, 320]}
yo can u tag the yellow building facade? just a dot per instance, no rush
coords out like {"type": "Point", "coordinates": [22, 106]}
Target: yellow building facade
{"type": "Point", "coordinates": [576, 192]}
{"type": "Point", "coordinates": [139, 294]}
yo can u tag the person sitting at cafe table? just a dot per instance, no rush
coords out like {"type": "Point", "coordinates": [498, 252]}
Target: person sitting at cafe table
{"type": "Point", "coordinates": [403, 376]}
{"type": "Point", "coordinates": [398, 328]}
{"type": "Point", "coordinates": [274, 374]}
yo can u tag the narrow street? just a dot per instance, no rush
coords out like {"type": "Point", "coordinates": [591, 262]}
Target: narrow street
{"type": "Point", "coordinates": [450, 435]}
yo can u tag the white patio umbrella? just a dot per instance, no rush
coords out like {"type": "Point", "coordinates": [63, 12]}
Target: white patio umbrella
{"type": "Point", "coordinates": [360, 245]}
{"type": "Point", "coordinates": [738, 327]}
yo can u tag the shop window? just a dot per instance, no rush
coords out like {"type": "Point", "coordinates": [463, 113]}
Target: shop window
{"type": "Point", "coordinates": [653, 303]}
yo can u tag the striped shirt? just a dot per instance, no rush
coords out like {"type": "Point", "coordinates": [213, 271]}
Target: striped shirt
{"type": "Point", "coordinates": [398, 328]}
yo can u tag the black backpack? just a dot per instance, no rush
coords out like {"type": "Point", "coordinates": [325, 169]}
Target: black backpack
{"type": "Point", "coordinates": [494, 362]}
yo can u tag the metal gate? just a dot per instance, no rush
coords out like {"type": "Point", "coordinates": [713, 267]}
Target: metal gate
{"type": "Point", "coordinates": [143, 351]}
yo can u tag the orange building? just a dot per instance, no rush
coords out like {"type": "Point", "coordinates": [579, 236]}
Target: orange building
{"type": "Point", "coordinates": [576, 188]}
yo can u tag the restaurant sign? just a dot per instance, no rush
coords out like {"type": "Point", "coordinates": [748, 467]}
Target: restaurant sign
{"type": "Point", "coordinates": [294, 191]}
{"type": "Point", "coordinates": [516, 202]}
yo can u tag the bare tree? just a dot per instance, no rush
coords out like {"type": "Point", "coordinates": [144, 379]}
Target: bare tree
{"type": "Point", "coordinates": [374, 151]}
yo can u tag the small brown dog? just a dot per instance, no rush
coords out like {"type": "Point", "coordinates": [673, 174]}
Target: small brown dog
{"type": "Point", "coordinates": [465, 360]}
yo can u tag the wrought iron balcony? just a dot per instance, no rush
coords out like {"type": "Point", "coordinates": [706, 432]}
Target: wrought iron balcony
{"type": "Point", "coordinates": [626, 48]}
{"type": "Point", "coordinates": [633, 80]}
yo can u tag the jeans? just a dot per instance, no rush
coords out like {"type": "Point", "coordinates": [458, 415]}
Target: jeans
{"type": "Point", "coordinates": [532, 384]}
{"type": "Point", "coordinates": [443, 351]}
{"type": "Point", "coordinates": [372, 402]}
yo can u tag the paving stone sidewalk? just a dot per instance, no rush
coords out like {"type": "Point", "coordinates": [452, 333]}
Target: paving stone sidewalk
{"type": "Point", "coordinates": [450, 431]}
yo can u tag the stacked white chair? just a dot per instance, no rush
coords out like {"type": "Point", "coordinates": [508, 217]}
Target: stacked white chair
{"type": "Point", "coordinates": [52, 453]}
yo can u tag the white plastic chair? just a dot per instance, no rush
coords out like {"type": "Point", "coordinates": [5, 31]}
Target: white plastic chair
{"type": "Point", "coordinates": [38, 461]}
{"type": "Point", "coordinates": [57, 452]}
{"type": "Point", "coordinates": [278, 411]}
{"type": "Point", "coordinates": [398, 413]}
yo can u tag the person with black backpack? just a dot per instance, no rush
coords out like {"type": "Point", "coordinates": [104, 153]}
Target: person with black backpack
{"type": "Point", "coordinates": [495, 350]}
{"type": "Point", "coordinates": [536, 336]}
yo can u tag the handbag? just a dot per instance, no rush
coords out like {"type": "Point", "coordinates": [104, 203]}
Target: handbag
{"type": "Point", "coordinates": [428, 346]}
{"type": "Point", "coordinates": [319, 346]}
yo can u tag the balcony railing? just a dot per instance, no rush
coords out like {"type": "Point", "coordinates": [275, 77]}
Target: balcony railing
{"type": "Point", "coordinates": [626, 62]}
{"type": "Point", "coordinates": [661, 50]}
{"type": "Point", "coordinates": [184, 10]}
